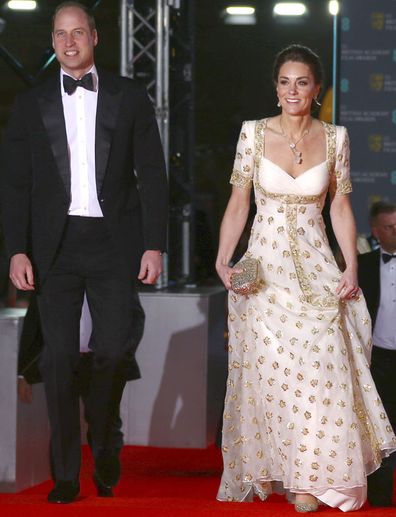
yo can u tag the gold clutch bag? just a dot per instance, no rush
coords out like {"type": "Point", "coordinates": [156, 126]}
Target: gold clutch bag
{"type": "Point", "coordinates": [246, 282]}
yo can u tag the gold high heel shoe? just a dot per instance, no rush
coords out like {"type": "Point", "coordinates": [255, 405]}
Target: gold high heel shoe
{"type": "Point", "coordinates": [306, 507]}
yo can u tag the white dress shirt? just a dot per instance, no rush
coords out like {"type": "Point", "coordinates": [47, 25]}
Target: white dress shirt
{"type": "Point", "coordinates": [384, 335]}
{"type": "Point", "coordinates": [80, 117]}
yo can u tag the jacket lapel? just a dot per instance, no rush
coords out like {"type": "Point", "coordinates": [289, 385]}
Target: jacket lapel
{"type": "Point", "coordinates": [376, 283]}
{"type": "Point", "coordinates": [51, 107]}
{"type": "Point", "coordinates": [109, 99]}
{"type": "Point", "coordinates": [50, 102]}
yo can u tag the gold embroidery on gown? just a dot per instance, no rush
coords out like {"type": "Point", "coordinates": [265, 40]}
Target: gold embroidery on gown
{"type": "Point", "coordinates": [301, 408]}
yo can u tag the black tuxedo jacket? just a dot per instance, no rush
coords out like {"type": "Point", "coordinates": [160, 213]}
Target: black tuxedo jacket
{"type": "Point", "coordinates": [369, 280]}
{"type": "Point", "coordinates": [35, 179]}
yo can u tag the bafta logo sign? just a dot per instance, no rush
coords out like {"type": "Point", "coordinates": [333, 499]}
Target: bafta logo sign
{"type": "Point", "coordinates": [375, 143]}
{"type": "Point", "coordinates": [377, 21]}
{"type": "Point", "coordinates": [377, 82]}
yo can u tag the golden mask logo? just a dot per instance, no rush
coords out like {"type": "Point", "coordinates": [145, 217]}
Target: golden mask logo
{"type": "Point", "coordinates": [377, 82]}
{"type": "Point", "coordinates": [375, 143]}
{"type": "Point", "coordinates": [377, 21]}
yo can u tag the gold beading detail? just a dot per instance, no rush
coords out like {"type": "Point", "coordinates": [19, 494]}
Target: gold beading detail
{"type": "Point", "coordinates": [259, 143]}
{"type": "Point", "coordinates": [360, 408]}
{"type": "Point", "coordinates": [325, 301]}
{"type": "Point", "coordinates": [240, 180]}
{"type": "Point", "coordinates": [289, 199]}
{"type": "Point", "coordinates": [331, 134]}
{"type": "Point", "coordinates": [344, 186]}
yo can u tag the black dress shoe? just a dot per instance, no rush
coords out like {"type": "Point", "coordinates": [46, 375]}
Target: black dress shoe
{"type": "Point", "coordinates": [64, 492]}
{"type": "Point", "coordinates": [102, 489]}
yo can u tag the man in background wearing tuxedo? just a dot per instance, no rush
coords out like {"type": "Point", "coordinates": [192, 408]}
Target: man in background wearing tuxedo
{"type": "Point", "coordinates": [377, 279]}
{"type": "Point", "coordinates": [84, 211]}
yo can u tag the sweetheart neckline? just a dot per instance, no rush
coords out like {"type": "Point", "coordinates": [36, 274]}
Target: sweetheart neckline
{"type": "Point", "coordinates": [299, 176]}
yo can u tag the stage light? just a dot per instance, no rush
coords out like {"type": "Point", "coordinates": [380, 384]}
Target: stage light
{"type": "Point", "coordinates": [22, 5]}
{"type": "Point", "coordinates": [334, 7]}
{"type": "Point", "coordinates": [240, 10]}
{"type": "Point", "coordinates": [289, 9]}
{"type": "Point", "coordinates": [239, 15]}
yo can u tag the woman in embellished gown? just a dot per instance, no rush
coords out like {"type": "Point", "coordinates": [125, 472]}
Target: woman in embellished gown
{"type": "Point", "coordinates": [302, 413]}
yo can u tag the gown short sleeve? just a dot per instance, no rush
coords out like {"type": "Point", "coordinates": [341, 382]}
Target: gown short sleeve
{"type": "Point", "coordinates": [340, 183]}
{"type": "Point", "coordinates": [243, 170]}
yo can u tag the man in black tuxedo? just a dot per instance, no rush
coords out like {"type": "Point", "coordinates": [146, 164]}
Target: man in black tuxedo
{"type": "Point", "coordinates": [84, 205]}
{"type": "Point", "coordinates": [377, 279]}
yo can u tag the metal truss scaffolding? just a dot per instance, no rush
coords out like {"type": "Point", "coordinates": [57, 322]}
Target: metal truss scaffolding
{"type": "Point", "coordinates": [145, 53]}
{"type": "Point", "coordinates": [154, 48]}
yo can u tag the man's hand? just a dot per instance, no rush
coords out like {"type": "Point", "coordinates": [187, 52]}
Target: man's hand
{"type": "Point", "coordinates": [21, 272]}
{"type": "Point", "coordinates": [25, 392]}
{"type": "Point", "coordinates": [150, 266]}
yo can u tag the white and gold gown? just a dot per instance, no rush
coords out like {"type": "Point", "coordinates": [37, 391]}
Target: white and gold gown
{"type": "Point", "coordinates": [301, 409]}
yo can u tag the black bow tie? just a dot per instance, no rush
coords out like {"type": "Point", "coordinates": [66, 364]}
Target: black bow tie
{"type": "Point", "coordinates": [70, 84]}
{"type": "Point", "coordinates": [386, 257]}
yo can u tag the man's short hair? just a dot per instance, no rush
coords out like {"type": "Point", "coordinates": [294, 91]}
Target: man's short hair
{"type": "Point", "coordinates": [381, 207]}
{"type": "Point", "coordinates": [84, 8]}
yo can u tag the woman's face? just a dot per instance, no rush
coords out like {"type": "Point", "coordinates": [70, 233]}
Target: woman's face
{"type": "Point", "coordinates": [296, 88]}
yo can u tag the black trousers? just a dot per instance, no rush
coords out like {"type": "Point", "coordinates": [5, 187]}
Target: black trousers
{"type": "Point", "coordinates": [383, 367]}
{"type": "Point", "coordinates": [84, 376]}
{"type": "Point", "coordinates": [87, 261]}
{"type": "Point", "coordinates": [116, 437]}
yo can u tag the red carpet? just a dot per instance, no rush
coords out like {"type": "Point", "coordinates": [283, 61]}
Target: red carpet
{"type": "Point", "coordinates": [158, 482]}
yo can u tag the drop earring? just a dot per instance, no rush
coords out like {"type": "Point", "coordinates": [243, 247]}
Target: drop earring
{"type": "Point", "coordinates": [279, 104]}
{"type": "Point", "coordinates": [317, 102]}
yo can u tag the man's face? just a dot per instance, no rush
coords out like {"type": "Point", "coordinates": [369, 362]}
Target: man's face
{"type": "Point", "coordinates": [384, 230]}
{"type": "Point", "coordinates": [74, 41]}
